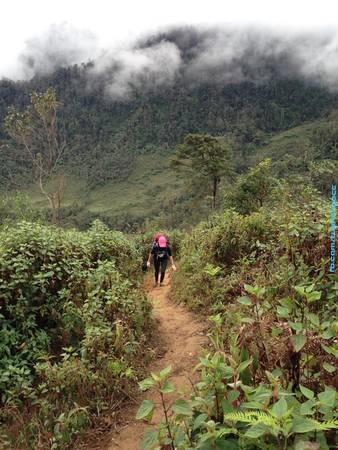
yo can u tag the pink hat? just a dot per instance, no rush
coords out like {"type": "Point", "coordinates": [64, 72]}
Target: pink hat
{"type": "Point", "coordinates": [162, 242]}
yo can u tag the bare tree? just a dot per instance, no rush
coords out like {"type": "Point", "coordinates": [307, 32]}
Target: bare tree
{"type": "Point", "coordinates": [36, 131]}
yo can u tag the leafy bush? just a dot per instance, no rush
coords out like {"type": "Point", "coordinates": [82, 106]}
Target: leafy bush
{"type": "Point", "coordinates": [266, 276]}
{"type": "Point", "coordinates": [230, 249]}
{"type": "Point", "coordinates": [225, 413]}
{"type": "Point", "coordinates": [252, 189]}
{"type": "Point", "coordinates": [73, 322]}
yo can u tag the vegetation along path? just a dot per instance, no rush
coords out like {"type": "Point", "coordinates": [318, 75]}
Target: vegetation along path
{"type": "Point", "coordinates": [183, 337]}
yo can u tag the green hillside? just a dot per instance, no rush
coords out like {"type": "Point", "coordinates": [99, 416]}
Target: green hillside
{"type": "Point", "coordinates": [118, 152]}
{"type": "Point", "coordinates": [152, 184]}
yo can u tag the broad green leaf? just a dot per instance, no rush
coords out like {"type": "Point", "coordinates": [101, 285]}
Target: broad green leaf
{"type": "Point", "coordinates": [149, 441]}
{"type": "Point", "coordinates": [297, 326]}
{"type": "Point", "coordinates": [327, 398]}
{"type": "Point", "coordinates": [244, 301]}
{"type": "Point", "coordinates": [204, 361]}
{"type": "Point", "coordinates": [146, 410]}
{"type": "Point", "coordinates": [233, 395]}
{"type": "Point", "coordinates": [313, 318]}
{"type": "Point", "coordinates": [299, 340]}
{"type": "Point", "coordinates": [275, 331]}
{"type": "Point", "coordinates": [270, 377]}
{"type": "Point", "coordinates": [243, 365]}
{"type": "Point", "coordinates": [201, 418]}
{"type": "Point", "coordinates": [227, 406]}
{"type": "Point", "coordinates": [228, 444]}
{"type": "Point", "coordinates": [307, 407]}
{"type": "Point", "coordinates": [328, 334]}
{"type": "Point", "coordinates": [280, 408]}
{"type": "Point", "coordinates": [282, 311]}
{"type": "Point", "coordinates": [261, 394]}
{"type": "Point", "coordinates": [330, 350]}
{"type": "Point", "coordinates": [256, 431]}
{"type": "Point", "coordinates": [278, 372]}
{"type": "Point", "coordinates": [255, 290]}
{"type": "Point", "coordinates": [307, 392]}
{"type": "Point", "coordinates": [227, 372]}
{"type": "Point", "coordinates": [168, 387]}
{"type": "Point", "coordinates": [300, 290]}
{"type": "Point", "coordinates": [287, 302]}
{"type": "Point", "coordinates": [314, 296]}
{"type": "Point", "coordinates": [329, 367]}
{"type": "Point", "coordinates": [146, 384]}
{"type": "Point", "coordinates": [165, 372]}
{"type": "Point", "coordinates": [156, 377]}
{"type": "Point", "coordinates": [303, 425]}
{"type": "Point", "coordinates": [252, 405]}
{"type": "Point", "coordinates": [249, 288]}
{"type": "Point", "coordinates": [217, 319]}
{"type": "Point", "coordinates": [182, 407]}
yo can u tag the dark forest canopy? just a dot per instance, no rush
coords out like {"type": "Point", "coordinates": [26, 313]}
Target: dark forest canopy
{"type": "Point", "coordinates": [116, 130]}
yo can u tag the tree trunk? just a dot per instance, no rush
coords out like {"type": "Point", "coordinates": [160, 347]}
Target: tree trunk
{"type": "Point", "coordinates": [55, 210]}
{"type": "Point", "coordinates": [52, 201]}
{"type": "Point", "coordinates": [216, 181]}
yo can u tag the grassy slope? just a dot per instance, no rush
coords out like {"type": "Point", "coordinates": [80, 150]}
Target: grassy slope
{"type": "Point", "coordinates": [152, 182]}
{"type": "Point", "coordinates": [287, 141]}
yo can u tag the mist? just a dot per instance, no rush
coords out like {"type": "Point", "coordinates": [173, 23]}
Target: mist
{"type": "Point", "coordinates": [196, 55]}
{"type": "Point", "coordinates": [61, 46]}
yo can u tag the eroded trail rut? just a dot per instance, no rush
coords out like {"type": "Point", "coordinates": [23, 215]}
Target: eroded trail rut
{"type": "Point", "coordinates": [183, 337]}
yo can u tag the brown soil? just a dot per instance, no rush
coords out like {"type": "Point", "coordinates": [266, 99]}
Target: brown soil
{"type": "Point", "coordinates": [181, 337]}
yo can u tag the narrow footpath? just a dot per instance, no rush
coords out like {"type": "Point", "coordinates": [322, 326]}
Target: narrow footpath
{"type": "Point", "coordinates": [183, 337]}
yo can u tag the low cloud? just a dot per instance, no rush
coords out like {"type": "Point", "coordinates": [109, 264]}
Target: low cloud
{"type": "Point", "coordinates": [61, 46]}
{"type": "Point", "coordinates": [135, 68]}
{"type": "Point", "coordinates": [195, 54]}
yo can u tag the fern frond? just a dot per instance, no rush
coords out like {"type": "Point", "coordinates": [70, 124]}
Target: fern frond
{"type": "Point", "coordinates": [251, 418]}
{"type": "Point", "coordinates": [328, 425]}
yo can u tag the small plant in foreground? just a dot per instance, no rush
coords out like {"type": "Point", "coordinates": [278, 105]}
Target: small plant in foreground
{"type": "Point", "coordinates": [225, 413]}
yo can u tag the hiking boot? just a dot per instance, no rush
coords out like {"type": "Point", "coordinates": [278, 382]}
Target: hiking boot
{"type": "Point", "coordinates": [155, 284]}
{"type": "Point", "coordinates": [161, 284]}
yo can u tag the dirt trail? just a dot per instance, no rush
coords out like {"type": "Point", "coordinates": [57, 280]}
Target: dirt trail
{"type": "Point", "coordinates": [183, 337]}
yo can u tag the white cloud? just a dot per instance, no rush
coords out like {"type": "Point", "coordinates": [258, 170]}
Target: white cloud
{"type": "Point", "coordinates": [61, 46]}
{"type": "Point", "coordinates": [148, 67]}
{"type": "Point", "coordinates": [115, 22]}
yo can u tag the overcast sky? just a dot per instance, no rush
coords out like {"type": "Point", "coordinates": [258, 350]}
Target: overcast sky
{"type": "Point", "coordinates": [115, 21]}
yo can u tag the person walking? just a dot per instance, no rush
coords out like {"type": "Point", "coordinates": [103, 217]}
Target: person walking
{"type": "Point", "coordinates": [161, 252]}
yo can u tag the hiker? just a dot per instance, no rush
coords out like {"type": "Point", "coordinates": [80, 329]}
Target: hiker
{"type": "Point", "coordinates": [160, 251]}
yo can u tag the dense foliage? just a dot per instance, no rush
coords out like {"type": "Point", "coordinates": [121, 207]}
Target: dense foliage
{"type": "Point", "coordinates": [270, 380]}
{"type": "Point", "coordinates": [73, 324]}
{"type": "Point", "coordinates": [73, 319]}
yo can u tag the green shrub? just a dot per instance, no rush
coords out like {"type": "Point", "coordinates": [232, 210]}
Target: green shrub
{"type": "Point", "coordinates": [73, 323]}
{"type": "Point", "coordinates": [266, 276]}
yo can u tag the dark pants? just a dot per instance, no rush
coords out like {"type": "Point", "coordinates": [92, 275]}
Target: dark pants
{"type": "Point", "coordinates": [160, 265]}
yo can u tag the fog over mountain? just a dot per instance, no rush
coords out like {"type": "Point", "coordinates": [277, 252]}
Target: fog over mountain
{"type": "Point", "coordinates": [61, 46]}
{"type": "Point", "coordinates": [196, 54]}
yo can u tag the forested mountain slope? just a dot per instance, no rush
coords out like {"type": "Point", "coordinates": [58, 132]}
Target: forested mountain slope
{"type": "Point", "coordinates": [118, 151]}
